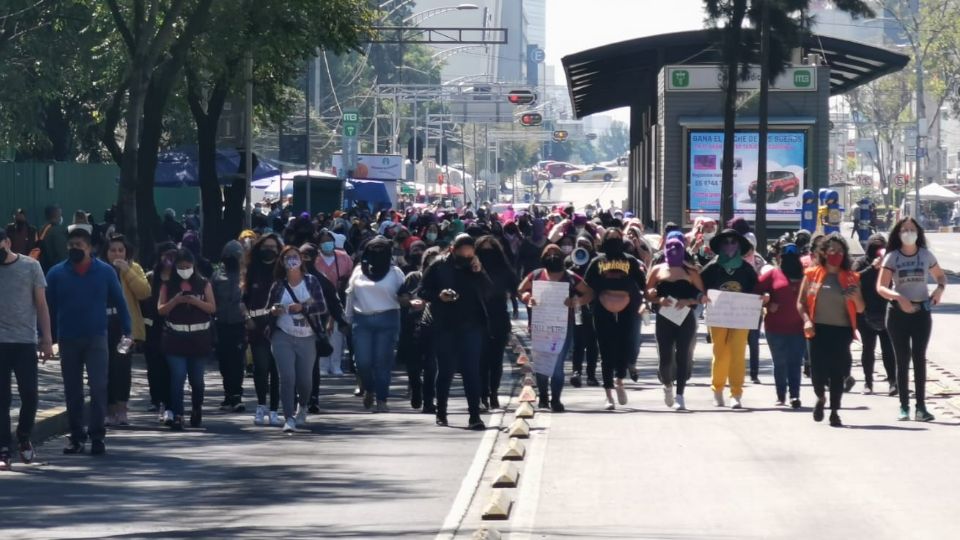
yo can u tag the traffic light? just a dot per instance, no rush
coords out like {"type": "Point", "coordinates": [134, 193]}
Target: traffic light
{"type": "Point", "coordinates": [441, 154]}
{"type": "Point", "coordinates": [419, 157]}
{"type": "Point", "coordinates": [501, 164]}
{"type": "Point", "coordinates": [560, 135]}
{"type": "Point", "coordinates": [531, 119]}
{"type": "Point", "coordinates": [521, 97]}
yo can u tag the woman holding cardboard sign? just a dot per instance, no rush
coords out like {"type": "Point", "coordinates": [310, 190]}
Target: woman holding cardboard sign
{"type": "Point", "coordinates": [829, 302]}
{"type": "Point", "coordinates": [728, 271]}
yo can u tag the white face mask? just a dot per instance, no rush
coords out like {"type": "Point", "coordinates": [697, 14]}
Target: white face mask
{"type": "Point", "coordinates": [185, 273]}
{"type": "Point", "coordinates": [909, 238]}
{"type": "Point", "coordinates": [707, 236]}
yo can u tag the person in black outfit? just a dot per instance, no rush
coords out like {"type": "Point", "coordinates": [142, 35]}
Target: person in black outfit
{"type": "Point", "coordinates": [415, 349]}
{"type": "Point", "coordinates": [585, 335]}
{"type": "Point", "coordinates": [871, 323]}
{"type": "Point", "coordinates": [505, 283]}
{"type": "Point", "coordinates": [456, 286]}
{"type": "Point", "coordinates": [617, 280]}
{"type": "Point", "coordinates": [158, 373]}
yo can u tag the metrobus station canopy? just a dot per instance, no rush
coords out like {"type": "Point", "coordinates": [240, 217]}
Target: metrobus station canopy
{"type": "Point", "coordinates": [663, 120]}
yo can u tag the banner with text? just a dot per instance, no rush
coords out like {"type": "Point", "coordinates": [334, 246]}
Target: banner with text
{"type": "Point", "coordinates": [733, 310]}
{"type": "Point", "coordinates": [786, 159]}
{"type": "Point", "coordinates": [548, 328]}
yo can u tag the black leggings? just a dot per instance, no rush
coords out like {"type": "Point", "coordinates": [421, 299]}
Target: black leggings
{"type": "Point", "coordinates": [585, 345]}
{"type": "Point", "coordinates": [415, 351]}
{"type": "Point", "coordinates": [119, 370]}
{"type": "Point", "coordinates": [616, 333]}
{"type": "Point", "coordinates": [675, 346]}
{"type": "Point", "coordinates": [491, 363]}
{"type": "Point", "coordinates": [231, 358]}
{"type": "Point", "coordinates": [158, 373]}
{"type": "Point", "coordinates": [265, 375]}
{"type": "Point", "coordinates": [869, 338]}
{"type": "Point", "coordinates": [830, 360]}
{"type": "Point", "coordinates": [910, 334]}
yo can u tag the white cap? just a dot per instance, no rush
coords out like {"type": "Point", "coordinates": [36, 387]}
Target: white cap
{"type": "Point", "coordinates": [338, 240]}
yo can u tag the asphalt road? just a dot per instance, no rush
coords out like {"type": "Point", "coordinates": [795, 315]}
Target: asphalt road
{"type": "Point", "coordinates": [583, 193]}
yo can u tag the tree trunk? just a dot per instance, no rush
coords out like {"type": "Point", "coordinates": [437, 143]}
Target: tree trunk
{"type": "Point", "coordinates": [127, 198]}
{"type": "Point", "coordinates": [732, 49]}
{"type": "Point", "coordinates": [211, 196]}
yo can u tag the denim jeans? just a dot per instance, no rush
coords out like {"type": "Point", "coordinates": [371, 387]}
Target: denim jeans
{"type": "Point", "coordinates": [75, 355]}
{"type": "Point", "coordinates": [555, 381]}
{"type": "Point", "coordinates": [459, 347]}
{"type": "Point", "coordinates": [21, 360]}
{"type": "Point", "coordinates": [788, 351]}
{"type": "Point", "coordinates": [374, 339]}
{"type": "Point", "coordinates": [180, 368]}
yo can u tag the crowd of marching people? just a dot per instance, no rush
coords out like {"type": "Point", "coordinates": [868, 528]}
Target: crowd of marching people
{"type": "Point", "coordinates": [299, 298]}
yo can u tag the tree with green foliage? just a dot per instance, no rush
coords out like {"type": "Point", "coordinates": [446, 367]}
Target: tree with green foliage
{"type": "Point", "coordinates": [614, 142]}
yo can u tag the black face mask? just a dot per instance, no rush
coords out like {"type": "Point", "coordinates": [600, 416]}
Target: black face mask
{"type": "Point", "coordinates": [414, 258]}
{"type": "Point", "coordinates": [553, 263]}
{"type": "Point", "coordinates": [268, 256]}
{"type": "Point", "coordinates": [75, 255]}
{"type": "Point", "coordinates": [462, 262]}
{"type": "Point", "coordinates": [613, 247]}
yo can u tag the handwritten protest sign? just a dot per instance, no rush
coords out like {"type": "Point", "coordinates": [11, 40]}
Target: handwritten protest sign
{"type": "Point", "coordinates": [733, 310]}
{"type": "Point", "coordinates": [549, 324]}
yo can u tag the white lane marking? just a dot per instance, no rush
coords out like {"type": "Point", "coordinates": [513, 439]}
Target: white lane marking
{"type": "Point", "coordinates": [528, 496]}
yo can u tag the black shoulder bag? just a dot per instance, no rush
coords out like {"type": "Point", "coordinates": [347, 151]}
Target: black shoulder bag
{"type": "Point", "coordinates": [324, 348]}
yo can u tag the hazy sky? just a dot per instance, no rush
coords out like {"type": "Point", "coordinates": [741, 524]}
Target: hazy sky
{"type": "Point", "coordinates": [576, 25]}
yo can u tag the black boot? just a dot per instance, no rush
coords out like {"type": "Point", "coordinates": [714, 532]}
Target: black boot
{"type": "Point", "coordinates": [196, 417]}
{"type": "Point", "coordinates": [494, 401]}
{"type": "Point", "coordinates": [475, 423]}
{"type": "Point", "coordinates": [442, 415]}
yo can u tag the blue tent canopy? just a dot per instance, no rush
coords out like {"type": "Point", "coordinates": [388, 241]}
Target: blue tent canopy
{"type": "Point", "coordinates": [180, 167]}
{"type": "Point", "coordinates": [372, 191]}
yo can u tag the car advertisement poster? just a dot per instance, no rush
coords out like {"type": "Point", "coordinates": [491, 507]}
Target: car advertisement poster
{"type": "Point", "coordinates": [786, 153]}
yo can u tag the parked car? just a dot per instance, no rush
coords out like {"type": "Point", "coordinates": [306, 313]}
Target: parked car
{"type": "Point", "coordinates": [780, 184]}
{"type": "Point", "coordinates": [592, 172]}
{"type": "Point", "coordinates": [557, 168]}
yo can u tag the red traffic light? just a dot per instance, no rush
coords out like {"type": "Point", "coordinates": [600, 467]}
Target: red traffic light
{"type": "Point", "coordinates": [531, 119]}
{"type": "Point", "coordinates": [521, 97]}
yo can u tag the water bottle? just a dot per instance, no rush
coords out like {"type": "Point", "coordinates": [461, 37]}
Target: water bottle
{"type": "Point", "coordinates": [577, 315]}
{"type": "Point", "coordinates": [126, 343]}
{"type": "Point", "coordinates": [645, 318]}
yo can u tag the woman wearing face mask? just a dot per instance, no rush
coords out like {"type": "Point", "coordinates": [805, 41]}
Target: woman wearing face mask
{"type": "Point", "coordinates": [729, 272]}
{"type": "Point", "coordinates": [337, 266]}
{"type": "Point", "coordinates": [872, 324]}
{"type": "Point", "coordinates": [158, 374]}
{"type": "Point", "coordinates": [373, 307]}
{"type": "Point", "coordinates": [829, 302]}
{"type": "Point", "coordinates": [257, 282]}
{"type": "Point", "coordinates": [431, 235]}
{"type": "Point", "coordinates": [187, 303]}
{"type": "Point", "coordinates": [136, 289]}
{"type": "Point", "coordinates": [231, 316]}
{"type": "Point", "coordinates": [584, 335]}
{"type": "Point", "coordinates": [504, 279]}
{"type": "Point", "coordinates": [780, 288]}
{"type": "Point", "coordinates": [617, 281]}
{"type": "Point", "coordinates": [675, 284]}
{"type": "Point", "coordinates": [296, 303]}
{"type": "Point", "coordinates": [335, 321]}
{"type": "Point", "coordinates": [903, 281]}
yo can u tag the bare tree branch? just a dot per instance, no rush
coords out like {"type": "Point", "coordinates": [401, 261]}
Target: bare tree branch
{"type": "Point", "coordinates": [122, 27]}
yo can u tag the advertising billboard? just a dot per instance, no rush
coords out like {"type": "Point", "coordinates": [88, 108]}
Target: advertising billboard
{"type": "Point", "coordinates": [373, 166]}
{"type": "Point", "coordinates": [786, 159]}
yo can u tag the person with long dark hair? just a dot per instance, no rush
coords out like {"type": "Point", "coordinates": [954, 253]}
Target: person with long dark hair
{"type": "Point", "coordinates": [187, 303]}
{"type": "Point", "coordinates": [373, 307]}
{"type": "Point", "coordinates": [675, 283]}
{"type": "Point", "coordinates": [584, 334]}
{"type": "Point", "coordinates": [257, 282]}
{"type": "Point", "coordinates": [828, 303]}
{"type": "Point", "coordinates": [158, 374]}
{"type": "Point", "coordinates": [780, 288]}
{"type": "Point", "coordinates": [617, 281]}
{"type": "Point", "coordinates": [903, 281]}
{"type": "Point", "coordinates": [295, 296]}
{"type": "Point", "coordinates": [136, 289]}
{"type": "Point", "coordinates": [872, 322]}
{"type": "Point", "coordinates": [504, 279]}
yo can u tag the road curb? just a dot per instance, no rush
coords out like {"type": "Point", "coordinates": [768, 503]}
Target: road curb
{"type": "Point", "coordinates": [50, 423]}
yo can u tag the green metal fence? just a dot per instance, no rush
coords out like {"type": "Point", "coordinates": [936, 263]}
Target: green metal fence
{"type": "Point", "coordinates": [73, 186]}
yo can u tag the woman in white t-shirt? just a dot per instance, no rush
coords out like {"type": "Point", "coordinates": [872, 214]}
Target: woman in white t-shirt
{"type": "Point", "coordinates": [903, 281]}
{"type": "Point", "coordinates": [373, 308]}
{"type": "Point", "coordinates": [296, 301]}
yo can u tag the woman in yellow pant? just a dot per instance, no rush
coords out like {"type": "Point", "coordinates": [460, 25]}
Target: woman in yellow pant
{"type": "Point", "coordinates": [729, 272]}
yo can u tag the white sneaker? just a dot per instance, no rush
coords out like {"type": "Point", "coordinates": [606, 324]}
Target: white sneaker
{"type": "Point", "coordinates": [610, 405]}
{"type": "Point", "coordinates": [275, 419]}
{"type": "Point", "coordinates": [621, 393]}
{"type": "Point", "coordinates": [679, 405]}
{"type": "Point", "coordinates": [736, 403]}
{"type": "Point", "coordinates": [301, 416]}
{"type": "Point", "coordinates": [167, 418]}
{"type": "Point", "coordinates": [259, 417]}
{"type": "Point", "coordinates": [290, 426]}
{"type": "Point", "coordinates": [718, 398]}
{"type": "Point", "coordinates": [668, 394]}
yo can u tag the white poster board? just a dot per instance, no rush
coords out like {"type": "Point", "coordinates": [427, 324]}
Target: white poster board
{"type": "Point", "coordinates": [733, 310]}
{"type": "Point", "coordinates": [674, 314]}
{"type": "Point", "coordinates": [548, 328]}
